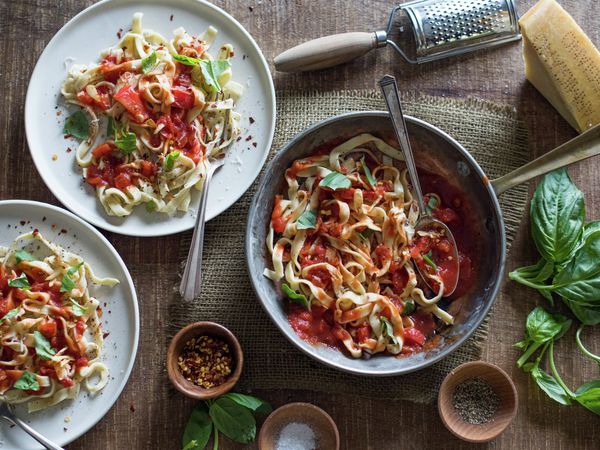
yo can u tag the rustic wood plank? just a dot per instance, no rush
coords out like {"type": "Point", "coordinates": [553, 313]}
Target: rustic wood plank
{"type": "Point", "coordinates": [149, 414]}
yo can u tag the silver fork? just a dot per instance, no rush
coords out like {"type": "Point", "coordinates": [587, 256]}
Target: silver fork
{"type": "Point", "coordinates": [6, 414]}
{"type": "Point", "coordinates": [192, 275]}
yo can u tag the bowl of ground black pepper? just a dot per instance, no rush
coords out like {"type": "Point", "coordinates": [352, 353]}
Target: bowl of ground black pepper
{"type": "Point", "coordinates": [477, 401]}
{"type": "Point", "coordinates": [204, 360]}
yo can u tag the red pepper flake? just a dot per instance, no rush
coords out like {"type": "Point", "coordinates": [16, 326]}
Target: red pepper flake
{"type": "Point", "coordinates": [205, 361]}
{"type": "Point", "coordinates": [58, 113]}
{"type": "Point", "coordinates": [251, 119]}
{"type": "Point", "coordinates": [35, 232]}
{"type": "Point", "coordinates": [239, 138]}
{"type": "Point", "coordinates": [44, 219]}
{"type": "Point", "coordinates": [251, 8]}
{"type": "Point", "coordinates": [254, 144]}
{"type": "Point", "coordinates": [120, 33]}
{"type": "Point", "coordinates": [67, 136]}
{"type": "Point", "coordinates": [105, 334]}
{"type": "Point", "coordinates": [63, 231]}
{"type": "Point", "coordinates": [22, 222]}
{"type": "Point", "coordinates": [171, 18]}
{"type": "Point", "coordinates": [69, 149]}
{"type": "Point", "coordinates": [249, 138]}
{"type": "Point", "coordinates": [132, 408]}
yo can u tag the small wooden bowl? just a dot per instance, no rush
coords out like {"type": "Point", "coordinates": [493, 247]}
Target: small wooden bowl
{"type": "Point", "coordinates": [195, 330]}
{"type": "Point", "coordinates": [502, 385]}
{"type": "Point", "coordinates": [327, 436]}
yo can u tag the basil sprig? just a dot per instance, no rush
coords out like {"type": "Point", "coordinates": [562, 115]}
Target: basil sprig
{"type": "Point", "coordinates": [570, 248]}
{"type": "Point", "coordinates": [542, 330]}
{"type": "Point", "coordinates": [295, 297]}
{"type": "Point", "coordinates": [230, 414]}
{"type": "Point", "coordinates": [149, 62]}
{"type": "Point", "coordinates": [335, 181]}
{"type": "Point", "coordinates": [77, 125]}
{"type": "Point", "coordinates": [42, 346]}
{"type": "Point", "coordinates": [67, 283]}
{"type": "Point", "coordinates": [26, 382]}
{"type": "Point", "coordinates": [307, 220]}
{"type": "Point", "coordinates": [21, 282]}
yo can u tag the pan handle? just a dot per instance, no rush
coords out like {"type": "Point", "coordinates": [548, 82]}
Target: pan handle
{"type": "Point", "coordinates": [328, 51]}
{"type": "Point", "coordinates": [582, 147]}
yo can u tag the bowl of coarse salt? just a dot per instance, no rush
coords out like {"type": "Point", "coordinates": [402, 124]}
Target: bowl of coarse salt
{"type": "Point", "coordinates": [299, 426]}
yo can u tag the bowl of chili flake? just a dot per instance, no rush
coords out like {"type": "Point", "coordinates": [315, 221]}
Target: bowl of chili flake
{"type": "Point", "coordinates": [204, 360]}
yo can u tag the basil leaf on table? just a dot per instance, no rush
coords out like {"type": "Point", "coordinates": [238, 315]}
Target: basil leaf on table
{"type": "Point", "coordinates": [20, 282]}
{"type": "Point", "coordinates": [212, 70]}
{"type": "Point", "coordinates": [557, 216]}
{"type": "Point", "coordinates": [27, 381]}
{"type": "Point", "coordinates": [307, 220]}
{"type": "Point", "coordinates": [588, 396]}
{"type": "Point", "coordinates": [253, 403]}
{"type": "Point", "coordinates": [198, 428]}
{"type": "Point", "coordinates": [42, 347]}
{"type": "Point", "coordinates": [234, 421]}
{"type": "Point", "coordinates": [550, 386]}
{"type": "Point", "coordinates": [22, 255]}
{"type": "Point", "coordinates": [149, 62]}
{"type": "Point", "coordinates": [335, 181]}
{"type": "Point", "coordinates": [534, 276]}
{"type": "Point", "coordinates": [77, 125]}
{"type": "Point", "coordinates": [294, 296]}
{"type": "Point", "coordinates": [190, 445]}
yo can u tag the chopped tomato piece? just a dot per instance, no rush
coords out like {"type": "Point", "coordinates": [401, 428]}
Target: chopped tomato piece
{"type": "Point", "coordinates": [413, 336]}
{"type": "Point", "coordinates": [102, 102]}
{"type": "Point", "coordinates": [184, 98]}
{"type": "Point", "coordinates": [67, 382]}
{"type": "Point", "coordinates": [131, 100]}
{"type": "Point", "coordinates": [148, 168]}
{"type": "Point", "coordinates": [94, 176]}
{"type": "Point", "coordinates": [102, 150]}
{"type": "Point", "coordinates": [81, 362]}
{"type": "Point", "coordinates": [48, 328]}
{"type": "Point", "coordinates": [122, 181]}
{"type": "Point", "coordinates": [363, 332]}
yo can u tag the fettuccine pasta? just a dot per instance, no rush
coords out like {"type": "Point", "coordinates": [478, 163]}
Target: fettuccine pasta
{"type": "Point", "coordinates": [46, 311]}
{"type": "Point", "coordinates": [169, 107]}
{"type": "Point", "coordinates": [343, 245]}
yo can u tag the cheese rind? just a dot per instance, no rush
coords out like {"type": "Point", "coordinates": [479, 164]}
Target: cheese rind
{"type": "Point", "coordinates": [562, 63]}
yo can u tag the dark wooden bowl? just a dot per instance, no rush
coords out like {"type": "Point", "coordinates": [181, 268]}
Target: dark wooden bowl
{"type": "Point", "coordinates": [326, 432]}
{"type": "Point", "coordinates": [194, 330]}
{"type": "Point", "coordinates": [502, 385]}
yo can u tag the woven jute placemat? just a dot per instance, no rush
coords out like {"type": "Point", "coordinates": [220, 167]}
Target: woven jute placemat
{"type": "Point", "coordinates": [494, 136]}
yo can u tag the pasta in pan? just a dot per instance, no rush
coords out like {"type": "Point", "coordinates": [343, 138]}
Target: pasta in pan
{"type": "Point", "coordinates": [46, 311]}
{"type": "Point", "coordinates": [169, 105]}
{"type": "Point", "coordinates": [342, 241]}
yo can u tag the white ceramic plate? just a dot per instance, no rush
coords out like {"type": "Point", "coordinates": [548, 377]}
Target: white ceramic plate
{"type": "Point", "coordinates": [70, 419]}
{"type": "Point", "coordinates": [81, 41]}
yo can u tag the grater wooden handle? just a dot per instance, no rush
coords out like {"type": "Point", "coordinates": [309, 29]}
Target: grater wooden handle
{"type": "Point", "coordinates": [327, 51]}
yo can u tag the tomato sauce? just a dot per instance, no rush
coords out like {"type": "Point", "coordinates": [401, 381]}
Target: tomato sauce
{"type": "Point", "coordinates": [315, 326]}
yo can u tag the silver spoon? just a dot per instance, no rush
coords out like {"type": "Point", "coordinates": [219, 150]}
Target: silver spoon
{"type": "Point", "coordinates": [425, 222]}
{"type": "Point", "coordinates": [6, 414]}
{"type": "Point", "coordinates": [192, 275]}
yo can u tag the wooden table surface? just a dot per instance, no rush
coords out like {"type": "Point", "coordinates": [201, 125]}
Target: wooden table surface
{"type": "Point", "coordinates": [148, 415]}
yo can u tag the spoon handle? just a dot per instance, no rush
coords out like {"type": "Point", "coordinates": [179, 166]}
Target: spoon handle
{"type": "Point", "coordinates": [192, 275]}
{"type": "Point", "coordinates": [392, 98]}
{"type": "Point", "coordinates": [30, 431]}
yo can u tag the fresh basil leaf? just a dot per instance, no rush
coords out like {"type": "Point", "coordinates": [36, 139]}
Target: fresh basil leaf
{"type": "Point", "coordinates": [26, 382]}
{"type": "Point", "coordinates": [534, 276]}
{"type": "Point", "coordinates": [212, 70]}
{"type": "Point", "coordinates": [308, 219]}
{"type": "Point", "coordinates": [77, 125]}
{"type": "Point", "coordinates": [582, 347]}
{"type": "Point", "coordinates": [111, 129]}
{"type": "Point", "coordinates": [78, 310]}
{"type": "Point", "coordinates": [191, 445]}
{"type": "Point", "coordinates": [588, 395]}
{"type": "Point", "coordinates": [9, 315]}
{"type": "Point", "coordinates": [365, 234]}
{"type": "Point", "coordinates": [557, 216]}
{"type": "Point", "coordinates": [21, 282]}
{"type": "Point", "coordinates": [427, 257]}
{"type": "Point", "coordinates": [550, 386]}
{"type": "Point", "coordinates": [149, 62]}
{"type": "Point", "coordinates": [432, 203]}
{"type": "Point", "coordinates": [335, 180]}
{"type": "Point", "coordinates": [170, 159]}
{"type": "Point", "coordinates": [42, 347]}
{"type": "Point", "coordinates": [74, 268]}
{"type": "Point", "coordinates": [579, 281]}
{"type": "Point", "coordinates": [388, 330]}
{"type": "Point", "coordinates": [127, 142]}
{"type": "Point", "coordinates": [234, 421]}
{"type": "Point", "coordinates": [253, 403]}
{"type": "Point", "coordinates": [22, 255]}
{"type": "Point", "coordinates": [294, 296]}
{"type": "Point", "coordinates": [186, 60]}
{"type": "Point", "coordinates": [409, 308]}
{"type": "Point", "coordinates": [151, 206]}
{"type": "Point", "coordinates": [372, 181]}
{"type": "Point", "coordinates": [198, 428]}
{"type": "Point", "coordinates": [67, 283]}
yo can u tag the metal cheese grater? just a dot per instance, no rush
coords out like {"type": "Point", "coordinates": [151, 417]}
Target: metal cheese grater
{"type": "Point", "coordinates": [440, 28]}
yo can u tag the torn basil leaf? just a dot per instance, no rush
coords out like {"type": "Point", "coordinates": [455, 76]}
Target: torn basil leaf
{"type": "Point", "coordinates": [77, 125]}
{"type": "Point", "coordinates": [308, 219]}
{"type": "Point", "coordinates": [170, 159]}
{"type": "Point", "coordinates": [22, 255]}
{"type": "Point", "coordinates": [335, 180]}
{"type": "Point", "coordinates": [294, 296]}
{"type": "Point", "coordinates": [27, 382]}
{"type": "Point", "coordinates": [42, 346]}
{"type": "Point", "coordinates": [149, 62]}
{"type": "Point", "coordinates": [212, 70]}
{"type": "Point", "coordinates": [22, 282]}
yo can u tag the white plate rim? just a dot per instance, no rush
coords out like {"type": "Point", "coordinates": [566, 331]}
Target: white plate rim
{"type": "Point", "coordinates": [181, 226]}
{"type": "Point", "coordinates": [130, 286]}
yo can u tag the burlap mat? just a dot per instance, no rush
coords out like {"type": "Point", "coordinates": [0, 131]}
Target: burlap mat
{"type": "Point", "coordinates": [491, 132]}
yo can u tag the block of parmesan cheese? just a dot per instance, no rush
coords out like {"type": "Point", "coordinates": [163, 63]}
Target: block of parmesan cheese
{"type": "Point", "coordinates": [562, 63]}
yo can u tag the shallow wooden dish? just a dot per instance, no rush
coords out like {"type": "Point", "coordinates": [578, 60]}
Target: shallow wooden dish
{"type": "Point", "coordinates": [326, 432]}
{"type": "Point", "coordinates": [499, 381]}
{"type": "Point", "coordinates": [184, 335]}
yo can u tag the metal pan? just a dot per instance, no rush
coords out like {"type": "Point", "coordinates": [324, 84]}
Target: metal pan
{"type": "Point", "coordinates": [438, 153]}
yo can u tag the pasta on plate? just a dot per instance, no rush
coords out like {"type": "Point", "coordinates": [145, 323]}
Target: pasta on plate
{"type": "Point", "coordinates": [50, 332]}
{"type": "Point", "coordinates": [169, 107]}
{"type": "Point", "coordinates": [343, 244]}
